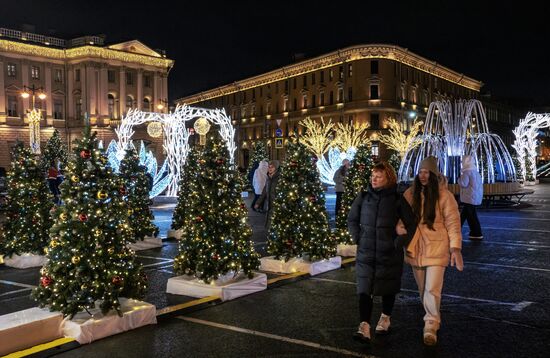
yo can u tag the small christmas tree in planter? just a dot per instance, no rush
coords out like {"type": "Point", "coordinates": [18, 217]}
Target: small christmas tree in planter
{"type": "Point", "coordinates": [215, 249]}
{"type": "Point", "coordinates": [357, 180]}
{"type": "Point", "coordinates": [299, 232]}
{"type": "Point", "coordinates": [55, 151]}
{"type": "Point", "coordinates": [25, 233]}
{"type": "Point", "coordinates": [187, 185]}
{"type": "Point", "coordinates": [89, 261]}
{"type": "Point", "coordinates": [137, 184]}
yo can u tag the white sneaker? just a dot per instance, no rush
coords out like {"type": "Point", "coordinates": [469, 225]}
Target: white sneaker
{"type": "Point", "coordinates": [383, 326]}
{"type": "Point", "coordinates": [363, 333]}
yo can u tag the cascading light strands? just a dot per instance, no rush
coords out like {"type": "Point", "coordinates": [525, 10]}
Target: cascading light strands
{"type": "Point", "coordinates": [357, 180]}
{"type": "Point", "coordinates": [299, 225]}
{"type": "Point", "coordinates": [26, 229]}
{"type": "Point", "coordinates": [526, 143]}
{"type": "Point", "coordinates": [137, 184]}
{"type": "Point", "coordinates": [88, 256]}
{"type": "Point", "coordinates": [216, 237]}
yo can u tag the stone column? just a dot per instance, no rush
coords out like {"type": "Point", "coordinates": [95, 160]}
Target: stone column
{"type": "Point", "coordinates": [103, 89]}
{"type": "Point", "coordinates": [3, 111]}
{"type": "Point", "coordinates": [122, 92]}
{"type": "Point", "coordinates": [139, 98]}
{"type": "Point", "coordinates": [69, 95]}
{"type": "Point", "coordinates": [25, 82]}
{"type": "Point", "coordinates": [49, 94]}
{"type": "Point", "coordinates": [156, 93]}
{"type": "Point", "coordinates": [84, 89]}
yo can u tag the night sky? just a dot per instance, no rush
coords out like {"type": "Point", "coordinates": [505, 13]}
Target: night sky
{"type": "Point", "coordinates": [505, 46]}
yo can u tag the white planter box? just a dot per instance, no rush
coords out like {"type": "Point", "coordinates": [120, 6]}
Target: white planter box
{"type": "Point", "coordinates": [346, 250]}
{"type": "Point", "coordinates": [86, 329]}
{"type": "Point", "coordinates": [176, 234]}
{"type": "Point", "coordinates": [25, 261]}
{"type": "Point", "coordinates": [226, 287]}
{"type": "Point", "coordinates": [296, 264]}
{"type": "Point", "coordinates": [24, 329]}
{"type": "Point", "coordinates": [147, 243]}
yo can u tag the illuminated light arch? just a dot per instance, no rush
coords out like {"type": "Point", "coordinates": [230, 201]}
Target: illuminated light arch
{"type": "Point", "coordinates": [176, 137]}
{"type": "Point", "coordinates": [526, 140]}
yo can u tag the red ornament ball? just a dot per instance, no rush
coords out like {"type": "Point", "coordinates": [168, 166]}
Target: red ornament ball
{"type": "Point", "coordinates": [312, 199]}
{"type": "Point", "coordinates": [198, 219]}
{"type": "Point", "coordinates": [83, 217]}
{"type": "Point", "coordinates": [219, 161]}
{"type": "Point", "coordinates": [117, 280]}
{"type": "Point", "coordinates": [85, 154]}
{"type": "Point", "coordinates": [362, 167]}
{"type": "Point", "coordinates": [293, 163]}
{"type": "Point", "coordinates": [45, 281]}
{"type": "Point", "coordinates": [122, 190]}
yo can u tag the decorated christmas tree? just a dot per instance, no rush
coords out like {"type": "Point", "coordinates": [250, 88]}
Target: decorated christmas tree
{"type": "Point", "coordinates": [216, 238]}
{"type": "Point", "coordinates": [26, 229]}
{"type": "Point", "coordinates": [259, 153]}
{"type": "Point", "coordinates": [137, 185]}
{"type": "Point", "coordinates": [55, 151]}
{"type": "Point", "coordinates": [395, 161]}
{"type": "Point", "coordinates": [299, 225]}
{"type": "Point", "coordinates": [187, 185]}
{"type": "Point", "coordinates": [88, 256]}
{"type": "Point", "coordinates": [357, 180]}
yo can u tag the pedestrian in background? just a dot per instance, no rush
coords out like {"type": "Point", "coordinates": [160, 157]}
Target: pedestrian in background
{"type": "Point", "coordinates": [436, 242]}
{"type": "Point", "coordinates": [471, 194]}
{"type": "Point", "coordinates": [52, 180]}
{"type": "Point", "coordinates": [258, 182]}
{"type": "Point", "coordinates": [339, 178]}
{"type": "Point", "coordinates": [268, 194]}
{"type": "Point", "coordinates": [372, 224]}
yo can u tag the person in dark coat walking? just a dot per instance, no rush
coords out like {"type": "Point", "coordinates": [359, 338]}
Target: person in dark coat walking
{"type": "Point", "coordinates": [269, 192]}
{"type": "Point", "coordinates": [372, 223]}
{"type": "Point", "coordinates": [339, 178]}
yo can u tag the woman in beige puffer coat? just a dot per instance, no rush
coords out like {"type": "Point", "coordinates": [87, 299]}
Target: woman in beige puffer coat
{"type": "Point", "coordinates": [437, 240]}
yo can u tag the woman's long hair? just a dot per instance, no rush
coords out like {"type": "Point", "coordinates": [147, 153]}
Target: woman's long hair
{"type": "Point", "coordinates": [431, 196]}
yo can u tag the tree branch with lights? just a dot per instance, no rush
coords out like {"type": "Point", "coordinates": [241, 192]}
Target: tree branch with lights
{"type": "Point", "coordinates": [399, 140]}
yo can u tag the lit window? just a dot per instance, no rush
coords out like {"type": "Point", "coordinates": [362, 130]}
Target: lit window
{"type": "Point", "coordinates": [12, 70]}
{"type": "Point", "coordinates": [35, 72]}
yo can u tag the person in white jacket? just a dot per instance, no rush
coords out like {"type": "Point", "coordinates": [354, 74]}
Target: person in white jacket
{"type": "Point", "coordinates": [471, 194]}
{"type": "Point", "coordinates": [258, 182]}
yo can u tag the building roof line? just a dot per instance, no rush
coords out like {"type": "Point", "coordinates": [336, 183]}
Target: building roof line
{"type": "Point", "coordinates": [339, 56]}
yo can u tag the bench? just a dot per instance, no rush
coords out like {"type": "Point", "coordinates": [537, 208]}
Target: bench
{"type": "Point", "coordinates": [505, 199]}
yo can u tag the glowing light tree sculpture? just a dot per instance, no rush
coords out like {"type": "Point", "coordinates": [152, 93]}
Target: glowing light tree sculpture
{"type": "Point", "coordinates": [216, 238]}
{"type": "Point", "coordinates": [451, 132]}
{"type": "Point", "coordinates": [399, 140]}
{"type": "Point", "coordinates": [338, 141]}
{"type": "Point", "coordinates": [526, 143]}
{"type": "Point", "coordinates": [357, 180]}
{"type": "Point", "coordinates": [137, 197]}
{"type": "Point", "coordinates": [26, 230]}
{"type": "Point", "coordinates": [299, 224]}
{"type": "Point", "coordinates": [88, 257]}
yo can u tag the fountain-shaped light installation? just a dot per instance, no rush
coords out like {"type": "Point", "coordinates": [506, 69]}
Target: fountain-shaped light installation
{"type": "Point", "coordinates": [449, 134]}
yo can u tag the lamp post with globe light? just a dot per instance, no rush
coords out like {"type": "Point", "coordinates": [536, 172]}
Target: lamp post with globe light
{"type": "Point", "coordinates": [34, 115]}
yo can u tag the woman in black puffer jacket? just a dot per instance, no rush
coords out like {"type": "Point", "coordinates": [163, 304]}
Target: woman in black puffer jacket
{"type": "Point", "coordinates": [372, 223]}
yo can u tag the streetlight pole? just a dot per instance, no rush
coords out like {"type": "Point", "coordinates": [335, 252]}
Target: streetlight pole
{"type": "Point", "coordinates": [34, 115]}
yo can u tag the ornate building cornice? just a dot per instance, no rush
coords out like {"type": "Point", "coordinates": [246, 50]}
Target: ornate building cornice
{"type": "Point", "coordinates": [353, 53]}
{"type": "Point", "coordinates": [83, 52]}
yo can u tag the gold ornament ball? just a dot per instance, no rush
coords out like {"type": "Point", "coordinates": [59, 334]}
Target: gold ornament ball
{"type": "Point", "coordinates": [75, 260]}
{"type": "Point", "coordinates": [154, 129]}
{"type": "Point", "coordinates": [54, 243]}
{"type": "Point", "coordinates": [74, 179]}
{"type": "Point", "coordinates": [46, 250]}
{"type": "Point", "coordinates": [111, 250]}
{"type": "Point", "coordinates": [202, 126]}
{"type": "Point", "coordinates": [130, 211]}
{"type": "Point", "coordinates": [102, 194]}
{"type": "Point", "coordinates": [63, 216]}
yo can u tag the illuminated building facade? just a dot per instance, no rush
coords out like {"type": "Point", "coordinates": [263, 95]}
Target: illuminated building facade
{"type": "Point", "coordinates": [78, 76]}
{"type": "Point", "coordinates": [359, 84]}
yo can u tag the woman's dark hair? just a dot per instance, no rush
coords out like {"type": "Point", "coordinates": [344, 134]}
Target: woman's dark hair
{"type": "Point", "coordinates": [431, 196]}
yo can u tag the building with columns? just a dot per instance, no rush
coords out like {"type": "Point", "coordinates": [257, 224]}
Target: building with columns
{"type": "Point", "coordinates": [358, 84]}
{"type": "Point", "coordinates": [78, 76]}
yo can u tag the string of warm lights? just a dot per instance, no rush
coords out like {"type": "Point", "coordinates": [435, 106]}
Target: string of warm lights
{"type": "Point", "coordinates": [399, 140]}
